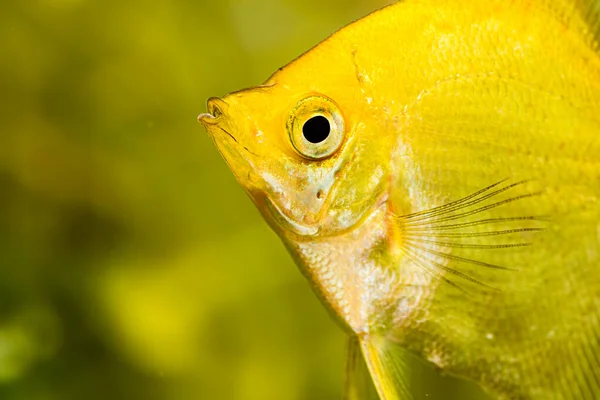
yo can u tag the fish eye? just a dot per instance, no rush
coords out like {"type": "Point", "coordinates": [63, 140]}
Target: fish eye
{"type": "Point", "coordinates": [316, 127]}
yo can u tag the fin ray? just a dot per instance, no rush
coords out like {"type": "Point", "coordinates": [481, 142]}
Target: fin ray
{"type": "Point", "coordinates": [387, 368]}
{"type": "Point", "coordinates": [358, 384]}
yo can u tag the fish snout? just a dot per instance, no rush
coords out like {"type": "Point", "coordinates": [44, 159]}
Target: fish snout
{"type": "Point", "coordinates": [217, 108]}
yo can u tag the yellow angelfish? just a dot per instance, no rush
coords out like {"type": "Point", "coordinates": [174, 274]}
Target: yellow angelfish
{"type": "Point", "coordinates": [434, 170]}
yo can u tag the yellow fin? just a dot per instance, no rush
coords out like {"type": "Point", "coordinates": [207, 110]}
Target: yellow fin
{"type": "Point", "coordinates": [468, 243]}
{"type": "Point", "coordinates": [358, 383]}
{"type": "Point", "coordinates": [386, 365]}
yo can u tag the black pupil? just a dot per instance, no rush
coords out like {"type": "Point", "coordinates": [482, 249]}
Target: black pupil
{"type": "Point", "coordinates": [316, 129]}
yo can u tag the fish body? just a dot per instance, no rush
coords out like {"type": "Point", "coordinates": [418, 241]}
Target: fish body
{"type": "Point", "coordinates": [434, 170]}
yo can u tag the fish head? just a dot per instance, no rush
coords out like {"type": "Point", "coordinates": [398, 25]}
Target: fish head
{"type": "Point", "coordinates": [302, 147]}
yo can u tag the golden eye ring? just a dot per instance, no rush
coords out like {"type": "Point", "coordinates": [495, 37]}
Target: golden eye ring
{"type": "Point", "coordinates": [316, 127]}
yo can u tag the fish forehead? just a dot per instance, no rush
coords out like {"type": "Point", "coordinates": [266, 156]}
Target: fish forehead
{"type": "Point", "coordinates": [398, 52]}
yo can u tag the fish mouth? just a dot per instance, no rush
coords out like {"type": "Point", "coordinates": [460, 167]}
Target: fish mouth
{"type": "Point", "coordinates": [228, 134]}
{"type": "Point", "coordinates": [216, 108]}
{"type": "Point", "coordinates": [212, 122]}
{"type": "Point", "coordinates": [240, 164]}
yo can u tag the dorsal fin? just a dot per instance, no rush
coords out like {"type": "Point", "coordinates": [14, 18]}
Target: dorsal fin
{"type": "Point", "coordinates": [591, 13]}
{"type": "Point", "coordinates": [581, 15]}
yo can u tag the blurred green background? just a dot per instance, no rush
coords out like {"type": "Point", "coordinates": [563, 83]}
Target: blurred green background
{"type": "Point", "coordinates": [132, 265]}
